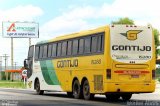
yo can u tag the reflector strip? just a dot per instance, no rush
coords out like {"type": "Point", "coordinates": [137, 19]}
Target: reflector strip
{"type": "Point", "coordinates": [132, 72]}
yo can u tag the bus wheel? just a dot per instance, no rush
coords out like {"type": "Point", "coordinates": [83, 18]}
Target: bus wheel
{"type": "Point", "coordinates": [37, 86]}
{"type": "Point", "coordinates": [86, 91]}
{"type": "Point", "coordinates": [70, 94]}
{"type": "Point", "coordinates": [126, 97]}
{"type": "Point", "coordinates": [76, 89]}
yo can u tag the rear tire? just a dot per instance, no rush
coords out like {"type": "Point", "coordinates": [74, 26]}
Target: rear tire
{"type": "Point", "coordinates": [37, 87]}
{"type": "Point", "coordinates": [86, 91]}
{"type": "Point", "coordinates": [126, 97]}
{"type": "Point", "coordinates": [76, 90]}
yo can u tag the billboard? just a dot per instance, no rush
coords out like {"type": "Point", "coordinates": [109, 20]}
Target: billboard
{"type": "Point", "coordinates": [20, 30]}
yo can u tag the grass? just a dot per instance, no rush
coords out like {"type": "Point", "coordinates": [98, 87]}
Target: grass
{"type": "Point", "coordinates": [10, 84]}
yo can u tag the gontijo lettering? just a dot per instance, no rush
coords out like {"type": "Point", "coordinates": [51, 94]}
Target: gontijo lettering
{"type": "Point", "coordinates": [131, 48]}
{"type": "Point", "coordinates": [67, 63]}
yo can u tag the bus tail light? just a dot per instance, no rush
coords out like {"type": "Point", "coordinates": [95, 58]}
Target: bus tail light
{"type": "Point", "coordinates": [153, 74]}
{"type": "Point", "coordinates": [108, 72]}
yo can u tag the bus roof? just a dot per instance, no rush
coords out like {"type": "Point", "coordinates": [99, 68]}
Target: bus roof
{"type": "Point", "coordinates": [77, 34]}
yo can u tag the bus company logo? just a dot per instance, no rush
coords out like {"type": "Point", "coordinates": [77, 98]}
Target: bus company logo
{"type": "Point", "coordinates": [131, 34]}
{"type": "Point", "coordinates": [12, 28]}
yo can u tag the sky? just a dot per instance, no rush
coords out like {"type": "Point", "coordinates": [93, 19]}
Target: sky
{"type": "Point", "coordinates": [58, 17]}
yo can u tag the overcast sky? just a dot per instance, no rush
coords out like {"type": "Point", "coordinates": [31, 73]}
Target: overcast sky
{"type": "Point", "coordinates": [58, 17]}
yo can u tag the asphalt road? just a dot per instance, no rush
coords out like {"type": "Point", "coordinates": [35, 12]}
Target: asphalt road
{"type": "Point", "coordinates": [19, 97]}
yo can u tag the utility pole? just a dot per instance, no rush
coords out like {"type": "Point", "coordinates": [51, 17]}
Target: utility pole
{"type": "Point", "coordinates": [12, 57]}
{"type": "Point", "coordinates": [5, 59]}
{"type": "Point", "coordinates": [12, 53]}
{"type": "Point", "coordinates": [15, 64]}
{"type": "Point", "coordinates": [29, 42]}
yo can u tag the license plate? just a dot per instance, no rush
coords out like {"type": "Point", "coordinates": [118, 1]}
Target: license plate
{"type": "Point", "coordinates": [135, 76]}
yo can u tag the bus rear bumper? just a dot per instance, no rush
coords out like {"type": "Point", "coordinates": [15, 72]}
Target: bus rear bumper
{"type": "Point", "coordinates": [128, 87]}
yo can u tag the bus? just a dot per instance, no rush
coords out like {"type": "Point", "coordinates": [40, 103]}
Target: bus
{"type": "Point", "coordinates": [114, 60]}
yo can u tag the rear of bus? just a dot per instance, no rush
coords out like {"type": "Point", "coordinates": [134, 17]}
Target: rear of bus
{"type": "Point", "coordinates": [132, 59]}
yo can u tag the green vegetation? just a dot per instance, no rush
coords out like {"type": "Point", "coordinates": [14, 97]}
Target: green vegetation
{"type": "Point", "coordinates": [156, 36]}
{"type": "Point", "coordinates": [159, 79]}
{"type": "Point", "coordinates": [14, 84]}
{"type": "Point", "coordinates": [4, 76]}
{"type": "Point", "coordinates": [125, 20]}
{"type": "Point", "coordinates": [157, 73]}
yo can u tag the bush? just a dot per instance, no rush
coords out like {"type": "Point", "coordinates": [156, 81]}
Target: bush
{"type": "Point", "coordinates": [159, 79]}
{"type": "Point", "coordinates": [157, 72]}
{"type": "Point", "coordinates": [3, 76]}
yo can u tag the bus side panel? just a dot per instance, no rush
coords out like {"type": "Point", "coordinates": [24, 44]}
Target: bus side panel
{"type": "Point", "coordinates": [80, 67]}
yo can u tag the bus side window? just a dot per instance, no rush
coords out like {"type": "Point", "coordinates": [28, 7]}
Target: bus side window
{"type": "Point", "coordinates": [100, 43]}
{"type": "Point", "coordinates": [45, 50]}
{"type": "Point", "coordinates": [36, 52]}
{"type": "Point", "coordinates": [54, 50]}
{"type": "Point", "coordinates": [94, 44]}
{"type": "Point", "coordinates": [41, 52]}
{"type": "Point", "coordinates": [81, 46]}
{"type": "Point", "coordinates": [49, 50]}
{"type": "Point", "coordinates": [87, 45]}
{"type": "Point", "coordinates": [75, 47]}
{"type": "Point", "coordinates": [64, 48]}
{"type": "Point", "coordinates": [59, 49]}
{"type": "Point", "coordinates": [69, 48]}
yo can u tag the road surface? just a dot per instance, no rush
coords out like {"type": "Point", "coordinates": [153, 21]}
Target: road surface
{"type": "Point", "coordinates": [19, 97]}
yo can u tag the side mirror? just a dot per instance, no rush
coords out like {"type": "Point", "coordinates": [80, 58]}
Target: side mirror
{"type": "Point", "coordinates": [25, 63]}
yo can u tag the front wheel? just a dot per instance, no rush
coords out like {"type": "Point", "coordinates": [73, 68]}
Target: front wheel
{"type": "Point", "coordinates": [38, 90]}
{"type": "Point", "coordinates": [86, 91]}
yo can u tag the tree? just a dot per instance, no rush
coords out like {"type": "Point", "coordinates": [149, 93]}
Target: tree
{"type": "Point", "coordinates": [3, 76]}
{"type": "Point", "coordinates": [156, 39]}
{"type": "Point", "coordinates": [125, 20]}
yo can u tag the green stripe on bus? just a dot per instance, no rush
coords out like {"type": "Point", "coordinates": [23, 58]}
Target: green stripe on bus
{"type": "Point", "coordinates": [48, 72]}
{"type": "Point", "coordinates": [52, 74]}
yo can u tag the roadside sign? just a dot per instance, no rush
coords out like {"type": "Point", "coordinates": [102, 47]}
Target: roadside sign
{"type": "Point", "coordinates": [20, 30]}
{"type": "Point", "coordinates": [24, 73]}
